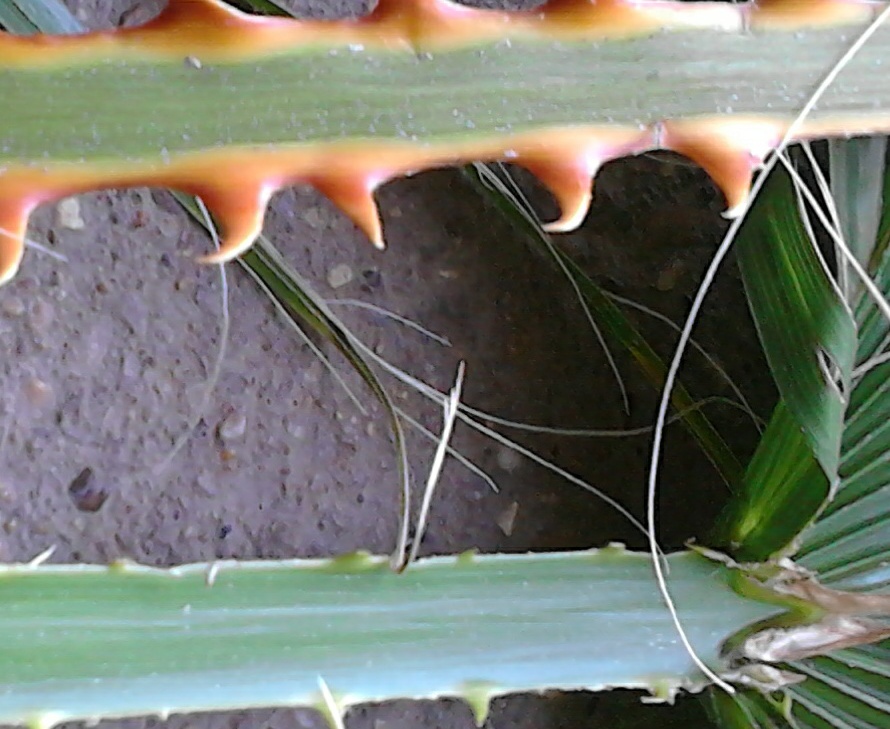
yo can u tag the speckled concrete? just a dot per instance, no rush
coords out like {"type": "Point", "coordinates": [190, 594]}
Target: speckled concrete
{"type": "Point", "coordinates": [106, 359]}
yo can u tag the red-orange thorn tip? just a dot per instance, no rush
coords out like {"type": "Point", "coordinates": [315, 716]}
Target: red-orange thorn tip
{"type": "Point", "coordinates": [793, 14]}
{"type": "Point", "coordinates": [423, 22]}
{"type": "Point", "coordinates": [617, 18]}
{"type": "Point", "coordinates": [729, 151]}
{"type": "Point", "coordinates": [213, 28]}
{"type": "Point", "coordinates": [567, 165]}
{"type": "Point", "coordinates": [571, 184]}
{"type": "Point", "coordinates": [200, 12]}
{"type": "Point", "coordinates": [13, 224]}
{"type": "Point", "coordinates": [354, 195]}
{"type": "Point", "coordinates": [238, 210]}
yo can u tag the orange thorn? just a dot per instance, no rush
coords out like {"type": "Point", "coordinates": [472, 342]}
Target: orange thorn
{"type": "Point", "coordinates": [607, 17]}
{"type": "Point", "coordinates": [424, 23]}
{"type": "Point", "coordinates": [627, 18]}
{"type": "Point", "coordinates": [354, 195]}
{"type": "Point", "coordinates": [568, 165]}
{"type": "Point", "coordinates": [793, 14]}
{"type": "Point", "coordinates": [13, 225]}
{"type": "Point", "coordinates": [199, 12]}
{"type": "Point", "coordinates": [239, 209]}
{"type": "Point", "coordinates": [728, 150]}
{"type": "Point", "coordinates": [571, 184]}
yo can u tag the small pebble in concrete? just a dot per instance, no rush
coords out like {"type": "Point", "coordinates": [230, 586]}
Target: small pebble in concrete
{"type": "Point", "coordinates": [507, 518]}
{"type": "Point", "coordinates": [38, 393]}
{"type": "Point", "coordinates": [169, 226]}
{"type": "Point", "coordinates": [339, 276]}
{"type": "Point", "coordinates": [68, 212]}
{"type": "Point", "coordinates": [296, 431]}
{"type": "Point", "coordinates": [41, 316]}
{"type": "Point", "coordinates": [508, 459]}
{"type": "Point", "coordinates": [314, 218]}
{"type": "Point", "coordinates": [86, 493]}
{"type": "Point", "coordinates": [12, 306]}
{"type": "Point", "coordinates": [233, 427]}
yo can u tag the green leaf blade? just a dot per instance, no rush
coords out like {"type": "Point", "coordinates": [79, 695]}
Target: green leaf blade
{"type": "Point", "coordinates": [787, 283]}
{"type": "Point", "coordinates": [849, 544]}
{"type": "Point", "coordinates": [784, 487]}
{"type": "Point", "coordinates": [810, 341]}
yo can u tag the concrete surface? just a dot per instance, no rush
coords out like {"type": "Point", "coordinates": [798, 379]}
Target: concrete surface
{"type": "Point", "coordinates": [106, 359]}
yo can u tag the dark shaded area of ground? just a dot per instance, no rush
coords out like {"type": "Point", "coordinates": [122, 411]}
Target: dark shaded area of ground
{"type": "Point", "coordinates": [107, 356]}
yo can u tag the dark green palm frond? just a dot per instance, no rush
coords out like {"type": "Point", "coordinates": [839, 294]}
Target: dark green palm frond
{"type": "Point", "coordinates": [819, 486]}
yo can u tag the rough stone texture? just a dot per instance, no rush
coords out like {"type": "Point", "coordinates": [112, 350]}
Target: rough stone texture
{"type": "Point", "coordinates": [106, 359]}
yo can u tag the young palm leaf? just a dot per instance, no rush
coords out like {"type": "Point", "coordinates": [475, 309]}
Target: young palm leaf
{"type": "Point", "coordinates": [818, 487]}
{"type": "Point", "coordinates": [806, 332]}
{"type": "Point", "coordinates": [850, 542]}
